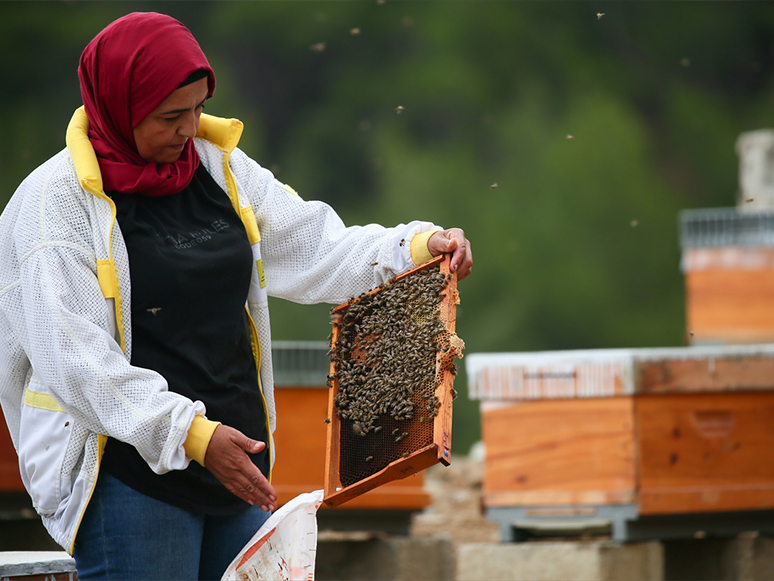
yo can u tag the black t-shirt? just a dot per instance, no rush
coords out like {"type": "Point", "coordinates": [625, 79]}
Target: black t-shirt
{"type": "Point", "coordinates": [190, 264]}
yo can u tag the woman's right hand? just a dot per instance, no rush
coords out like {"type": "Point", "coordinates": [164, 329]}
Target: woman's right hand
{"type": "Point", "coordinates": [227, 459]}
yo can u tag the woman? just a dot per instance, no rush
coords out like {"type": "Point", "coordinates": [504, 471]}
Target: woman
{"type": "Point", "coordinates": [134, 272]}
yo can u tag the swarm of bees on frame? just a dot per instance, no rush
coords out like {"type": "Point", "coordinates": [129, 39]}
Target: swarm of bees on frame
{"type": "Point", "coordinates": [385, 365]}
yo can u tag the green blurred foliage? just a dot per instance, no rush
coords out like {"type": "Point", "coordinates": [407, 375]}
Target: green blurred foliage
{"type": "Point", "coordinates": [595, 130]}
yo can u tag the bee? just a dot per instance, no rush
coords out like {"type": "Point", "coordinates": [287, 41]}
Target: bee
{"type": "Point", "coordinates": [494, 186]}
{"type": "Point", "coordinates": [369, 458]}
{"type": "Point", "coordinates": [402, 241]}
{"type": "Point", "coordinates": [327, 420]}
{"type": "Point", "coordinates": [399, 109]}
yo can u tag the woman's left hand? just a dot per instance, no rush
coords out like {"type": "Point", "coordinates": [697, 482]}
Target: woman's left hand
{"type": "Point", "coordinates": [453, 241]}
{"type": "Point", "coordinates": [227, 459]}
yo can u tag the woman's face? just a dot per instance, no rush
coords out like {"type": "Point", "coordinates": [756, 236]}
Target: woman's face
{"type": "Point", "coordinates": [161, 136]}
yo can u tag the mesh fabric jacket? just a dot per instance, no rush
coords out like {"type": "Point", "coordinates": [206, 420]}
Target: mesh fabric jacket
{"type": "Point", "coordinates": [65, 323]}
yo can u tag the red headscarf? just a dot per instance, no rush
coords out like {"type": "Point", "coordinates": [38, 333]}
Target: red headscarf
{"type": "Point", "coordinates": [126, 72]}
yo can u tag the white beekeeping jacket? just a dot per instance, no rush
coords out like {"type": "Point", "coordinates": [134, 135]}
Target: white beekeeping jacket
{"type": "Point", "coordinates": [66, 379]}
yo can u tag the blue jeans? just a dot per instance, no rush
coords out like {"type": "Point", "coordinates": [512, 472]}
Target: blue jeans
{"type": "Point", "coordinates": [126, 535]}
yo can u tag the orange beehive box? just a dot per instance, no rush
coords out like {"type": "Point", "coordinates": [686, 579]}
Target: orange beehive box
{"type": "Point", "coordinates": [728, 263]}
{"type": "Point", "coordinates": [653, 442]}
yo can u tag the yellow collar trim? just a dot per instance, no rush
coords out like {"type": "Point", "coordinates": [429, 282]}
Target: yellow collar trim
{"type": "Point", "coordinates": [84, 158]}
{"type": "Point", "coordinates": [223, 133]}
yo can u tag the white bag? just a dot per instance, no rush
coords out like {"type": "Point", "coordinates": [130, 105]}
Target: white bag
{"type": "Point", "coordinates": [284, 548]}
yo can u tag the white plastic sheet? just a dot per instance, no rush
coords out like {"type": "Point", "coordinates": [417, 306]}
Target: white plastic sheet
{"type": "Point", "coordinates": [284, 548]}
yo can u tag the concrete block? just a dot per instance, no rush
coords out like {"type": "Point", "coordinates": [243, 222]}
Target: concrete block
{"type": "Point", "coordinates": [560, 561]}
{"type": "Point", "coordinates": [762, 559]}
{"type": "Point", "coordinates": [381, 558]}
{"type": "Point", "coordinates": [54, 565]}
{"type": "Point", "coordinates": [746, 557]}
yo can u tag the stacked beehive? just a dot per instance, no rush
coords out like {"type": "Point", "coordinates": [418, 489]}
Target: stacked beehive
{"type": "Point", "coordinates": [639, 443]}
{"type": "Point", "coordinates": [728, 255]}
{"type": "Point", "coordinates": [651, 443]}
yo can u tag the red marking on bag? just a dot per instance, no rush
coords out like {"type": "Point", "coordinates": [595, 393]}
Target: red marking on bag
{"type": "Point", "coordinates": [254, 549]}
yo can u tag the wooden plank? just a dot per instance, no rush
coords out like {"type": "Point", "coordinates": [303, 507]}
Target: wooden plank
{"type": "Point", "coordinates": [560, 452]}
{"type": "Point", "coordinates": [442, 424]}
{"type": "Point", "coordinates": [732, 373]}
{"type": "Point", "coordinates": [396, 495]}
{"type": "Point", "coordinates": [403, 468]}
{"type": "Point", "coordinates": [332, 441]}
{"type": "Point", "coordinates": [705, 452]}
{"type": "Point", "coordinates": [730, 304]}
{"type": "Point", "coordinates": [558, 497]}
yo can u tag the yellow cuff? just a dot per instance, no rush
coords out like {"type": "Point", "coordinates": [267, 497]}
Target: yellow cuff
{"type": "Point", "coordinates": [199, 436]}
{"type": "Point", "coordinates": [419, 252]}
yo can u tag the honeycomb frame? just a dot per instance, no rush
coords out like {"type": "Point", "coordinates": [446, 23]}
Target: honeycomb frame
{"type": "Point", "coordinates": [364, 453]}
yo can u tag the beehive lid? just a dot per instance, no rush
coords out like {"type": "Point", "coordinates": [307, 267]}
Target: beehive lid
{"type": "Point", "coordinates": [300, 363]}
{"type": "Point", "coordinates": [719, 227]}
{"type": "Point", "coordinates": [617, 372]}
